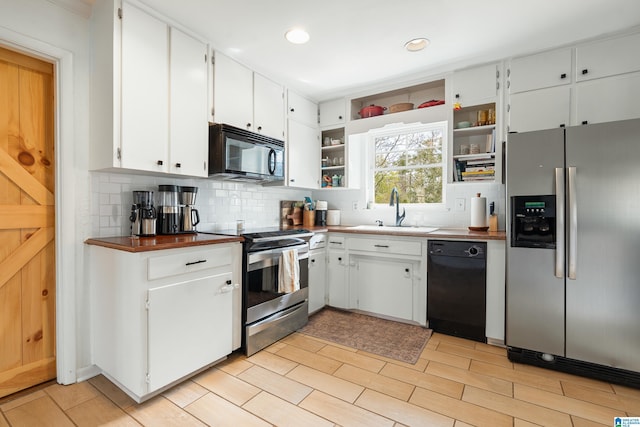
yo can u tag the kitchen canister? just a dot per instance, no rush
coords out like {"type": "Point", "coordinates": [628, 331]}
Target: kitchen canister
{"type": "Point", "coordinates": [333, 217]}
{"type": "Point", "coordinates": [478, 213]}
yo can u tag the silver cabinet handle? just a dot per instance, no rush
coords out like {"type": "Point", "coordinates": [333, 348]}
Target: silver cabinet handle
{"type": "Point", "coordinates": [573, 224]}
{"type": "Point", "coordinates": [560, 232]}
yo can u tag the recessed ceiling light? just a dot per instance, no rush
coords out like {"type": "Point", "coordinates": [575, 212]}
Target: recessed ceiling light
{"type": "Point", "coordinates": [416, 45]}
{"type": "Point", "coordinates": [297, 36]}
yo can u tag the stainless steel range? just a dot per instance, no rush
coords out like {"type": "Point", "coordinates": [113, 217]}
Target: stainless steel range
{"type": "Point", "coordinates": [268, 313]}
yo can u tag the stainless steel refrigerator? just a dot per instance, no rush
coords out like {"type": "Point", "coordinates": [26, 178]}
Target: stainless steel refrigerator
{"type": "Point", "coordinates": [573, 250]}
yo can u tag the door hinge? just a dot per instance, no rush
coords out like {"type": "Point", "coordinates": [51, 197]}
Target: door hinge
{"type": "Point", "coordinates": [120, 13]}
{"type": "Point", "coordinates": [147, 378]}
{"type": "Point", "coordinates": [147, 304]}
{"type": "Point", "coordinates": [497, 85]}
{"type": "Point", "coordinates": [205, 58]}
{"type": "Point", "coordinates": [118, 154]}
{"type": "Point", "coordinates": [497, 74]}
{"type": "Point", "coordinates": [508, 108]}
{"type": "Point", "coordinates": [205, 166]}
{"type": "Point", "coordinates": [508, 72]}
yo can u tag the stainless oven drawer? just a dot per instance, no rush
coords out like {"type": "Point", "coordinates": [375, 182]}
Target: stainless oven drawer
{"type": "Point", "coordinates": [269, 330]}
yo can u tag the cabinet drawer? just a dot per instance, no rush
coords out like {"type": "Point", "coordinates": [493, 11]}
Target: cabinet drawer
{"type": "Point", "coordinates": [401, 247]}
{"type": "Point", "coordinates": [336, 242]}
{"type": "Point", "coordinates": [187, 262]}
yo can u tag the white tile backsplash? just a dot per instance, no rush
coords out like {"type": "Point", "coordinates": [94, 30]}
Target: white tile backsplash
{"type": "Point", "coordinates": [220, 203]}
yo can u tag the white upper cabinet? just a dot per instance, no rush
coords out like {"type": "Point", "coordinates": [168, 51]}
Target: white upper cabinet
{"type": "Point", "coordinates": [476, 86]}
{"type": "Point", "coordinates": [610, 99]}
{"type": "Point", "coordinates": [246, 99]}
{"type": "Point", "coordinates": [540, 109]}
{"type": "Point", "coordinates": [148, 110]}
{"type": "Point", "coordinates": [145, 91]}
{"type": "Point", "coordinates": [232, 92]}
{"type": "Point", "coordinates": [333, 113]}
{"type": "Point", "coordinates": [539, 71]}
{"type": "Point", "coordinates": [301, 109]}
{"type": "Point", "coordinates": [189, 116]}
{"type": "Point", "coordinates": [303, 142]}
{"type": "Point", "coordinates": [268, 107]}
{"type": "Point", "coordinates": [608, 57]}
{"type": "Point", "coordinates": [303, 155]}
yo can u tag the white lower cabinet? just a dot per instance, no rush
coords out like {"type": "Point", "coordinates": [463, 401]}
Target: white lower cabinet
{"type": "Point", "coordinates": [160, 316]}
{"type": "Point", "coordinates": [384, 286]}
{"type": "Point", "coordinates": [317, 279]}
{"type": "Point", "coordinates": [380, 275]}
{"type": "Point", "coordinates": [496, 262]}
{"type": "Point", "coordinates": [337, 279]}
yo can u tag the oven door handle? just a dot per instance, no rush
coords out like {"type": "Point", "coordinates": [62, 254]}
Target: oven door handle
{"type": "Point", "coordinates": [276, 317]}
{"type": "Point", "coordinates": [271, 257]}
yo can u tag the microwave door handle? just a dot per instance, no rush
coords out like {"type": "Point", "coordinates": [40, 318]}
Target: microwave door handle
{"type": "Point", "coordinates": [272, 161]}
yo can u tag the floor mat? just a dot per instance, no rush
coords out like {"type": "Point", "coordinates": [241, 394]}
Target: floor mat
{"type": "Point", "coordinates": [395, 340]}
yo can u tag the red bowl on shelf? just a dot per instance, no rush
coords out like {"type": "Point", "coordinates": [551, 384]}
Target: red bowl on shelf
{"type": "Point", "coordinates": [371, 111]}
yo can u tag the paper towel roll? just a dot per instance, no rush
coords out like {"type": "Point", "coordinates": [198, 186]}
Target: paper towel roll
{"type": "Point", "coordinates": [478, 211]}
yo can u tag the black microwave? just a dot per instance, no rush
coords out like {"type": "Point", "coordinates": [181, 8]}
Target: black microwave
{"type": "Point", "coordinates": [241, 155]}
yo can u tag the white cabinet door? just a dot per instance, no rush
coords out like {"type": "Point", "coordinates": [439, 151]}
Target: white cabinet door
{"type": "Point", "coordinates": [337, 280]}
{"type": "Point", "coordinates": [539, 71]}
{"type": "Point", "coordinates": [384, 286]}
{"type": "Point", "coordinates": [609, 99]}
{"type": "Point", "coordinates": [145, 92]}
{"type": "Point", "coordinates": [232, 93]}
{"type": "Point", "coordinates": [608, 58]}
{"type": "Point", "coordinates": [495, 289]}
{"type": "Point", "coordinates": [301, 109]}
{"type": "Point", "coordinates": [333, 113]}
{"type": "Point", "coordinates": [540, 109]}
{"type": "Point", "coordinates": [317, 280]}
{"type": "Point", "coordinates": [189, 140]}
{"type": "Point", "coordinates": [268, 107]}
{"type": "Point", "coordinates": [303, 156]}
{"type": "Point", "coordinates": [189, 326]}
{"type": "Point", "coordinates": [476, 85]}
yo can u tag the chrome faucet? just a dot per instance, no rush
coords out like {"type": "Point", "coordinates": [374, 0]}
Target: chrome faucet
{"type": "Point", "coordinates": [399, 218]}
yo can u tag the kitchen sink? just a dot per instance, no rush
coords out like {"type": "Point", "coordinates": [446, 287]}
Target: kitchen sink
{"type": "Point", "coordinates": [404, 229]}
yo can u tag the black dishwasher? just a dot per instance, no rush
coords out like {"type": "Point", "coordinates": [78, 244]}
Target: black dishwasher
{"type": "Point", "coordinates": [456, 288]}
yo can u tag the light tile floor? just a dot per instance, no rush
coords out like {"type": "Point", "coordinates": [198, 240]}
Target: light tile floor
{"type": "Point", "coordinates": [303, 381]}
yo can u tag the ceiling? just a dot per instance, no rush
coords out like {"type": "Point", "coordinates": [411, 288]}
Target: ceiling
{"type": "Point", "coordinates": [358, 44]}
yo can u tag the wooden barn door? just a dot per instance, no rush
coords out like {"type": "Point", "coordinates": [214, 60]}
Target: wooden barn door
{"type": "Point", "coordinates": [27, 254]}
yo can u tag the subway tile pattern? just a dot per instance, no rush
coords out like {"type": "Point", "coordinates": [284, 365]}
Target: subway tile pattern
{"type": "Point", "coordinates": [220, 203]}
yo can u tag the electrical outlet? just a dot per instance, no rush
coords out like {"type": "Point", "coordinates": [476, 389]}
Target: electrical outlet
{"type": "Point", "coordinates": [355, 206]}
{"type": "Point", "coordinates": [459, 205]}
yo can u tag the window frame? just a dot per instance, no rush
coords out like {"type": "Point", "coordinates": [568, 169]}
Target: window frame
{"type": "Point", "coordinates": [402, 128]}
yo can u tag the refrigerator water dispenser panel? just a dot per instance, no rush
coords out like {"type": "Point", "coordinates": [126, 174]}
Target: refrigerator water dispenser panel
{"type": "Point", "coordinates": [533, 221]}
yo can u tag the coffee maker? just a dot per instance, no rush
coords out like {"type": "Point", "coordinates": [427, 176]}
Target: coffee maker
{"type": "Point", "coordinates": [143, 214]}
{"type": "Point", "coordinates": [168, 210]}
{"type": "Point", "coordinates": [189, 216]}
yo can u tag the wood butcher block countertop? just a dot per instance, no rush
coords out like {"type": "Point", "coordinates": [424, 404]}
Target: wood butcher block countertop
{"type": "Point", "coordinates": [440, 233]}
{"type": "Point", "coordinates": [156, 243]}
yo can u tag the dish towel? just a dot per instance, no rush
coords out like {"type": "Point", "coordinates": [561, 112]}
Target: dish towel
{"type": "Point", "coordinates": [289, 272]}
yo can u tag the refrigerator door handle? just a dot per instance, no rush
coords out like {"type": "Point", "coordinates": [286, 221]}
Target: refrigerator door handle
{"type": "Point", "coordinates": [560, 233]}
{"type": "Point", "coordinates": [573, 224]}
